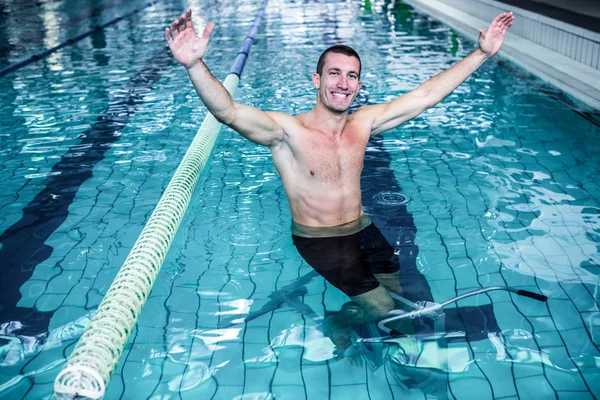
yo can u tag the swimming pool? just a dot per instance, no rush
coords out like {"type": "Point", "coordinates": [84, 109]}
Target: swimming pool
{"type": "Point", "coordinates": [497, 185]}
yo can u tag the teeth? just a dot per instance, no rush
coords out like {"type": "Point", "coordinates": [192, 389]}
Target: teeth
{"type": "Point", "coordinates": [340, 95]}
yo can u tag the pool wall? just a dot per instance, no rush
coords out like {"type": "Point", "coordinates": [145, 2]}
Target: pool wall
{"type": "Point", "coordinates": [564, 55]}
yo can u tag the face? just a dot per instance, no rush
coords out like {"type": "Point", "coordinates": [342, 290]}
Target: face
{"type": "Point", "coordinates": [339, 82]}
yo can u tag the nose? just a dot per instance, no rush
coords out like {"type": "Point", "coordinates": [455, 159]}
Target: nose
{"type": "Point", "coordinates": [342, 82]}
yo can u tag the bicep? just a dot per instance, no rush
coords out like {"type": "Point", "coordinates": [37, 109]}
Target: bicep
{"type": "Point", "coordinates": [256, 125]}
{"type": "Point", "coordinates": [406, 107]}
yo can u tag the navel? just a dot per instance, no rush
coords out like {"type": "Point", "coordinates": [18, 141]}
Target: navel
{"type": "Point", "coordinates": [312, 172]}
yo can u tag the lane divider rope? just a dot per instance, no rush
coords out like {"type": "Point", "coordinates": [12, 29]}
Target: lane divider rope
{"type": "Point", "coordinates": [91, 364]}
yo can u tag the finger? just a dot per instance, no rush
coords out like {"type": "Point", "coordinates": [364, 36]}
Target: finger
{"type": "Point", "coordinates": [481, 32]}
{"type": "Point", "coordinates": [168, 35]}
{"type": "Point", "coordinates": [497, 20]}
{"type": "Point", "coordinates": [188, 17]}
{"type": "Point", "coordinates": [508, 22]}
{"type": "Point", "coordinates": [501, 24]}
{"type": "Point", "coordinates": [208, 30]}
{"type": "Point", "coordinates": [181, 26]}
{"type": "Point", "coordinates": [509, 17]}
{"type": "Point", "coordinates": [174, 30]}
{"type": "Point", "coordinates": [511, 20]}
{"type": "Point", "coordinates": [503, 31]}
{"type": "Point", "coordinates": [502, 21]}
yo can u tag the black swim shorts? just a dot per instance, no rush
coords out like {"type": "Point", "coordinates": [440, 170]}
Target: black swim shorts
{"type": "Point", "coordinates": [350, 262]}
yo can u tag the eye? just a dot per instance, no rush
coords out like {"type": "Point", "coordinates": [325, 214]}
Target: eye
{"type": "Point", "coordinates": [333, 73]}
{"type": "Point", "coordinates": [353, 76]}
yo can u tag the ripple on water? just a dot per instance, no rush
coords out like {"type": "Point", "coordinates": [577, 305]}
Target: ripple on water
{"type": "Point", "coordinates": [392, 198]}
{"type": "Point", "coordinates": [248, 232]}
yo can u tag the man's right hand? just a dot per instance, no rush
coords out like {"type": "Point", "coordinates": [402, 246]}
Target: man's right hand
{"type": "Point", "coordinates": [252, 123]}
{"type": "Point", "coordinates": [187, 47]}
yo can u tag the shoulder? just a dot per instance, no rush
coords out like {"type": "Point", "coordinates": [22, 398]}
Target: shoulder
{"type": "Point", "coordinates": [366, 116]}
{"type": "Point", "coordinates": [283, 117]}
{"type": "Point", "coordinates": [289, 124]}
{"type": "Point", "coordinates": [370, 111]}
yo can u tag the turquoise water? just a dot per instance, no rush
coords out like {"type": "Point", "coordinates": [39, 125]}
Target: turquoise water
{"type": "Point", "coordinates": [497, 185]}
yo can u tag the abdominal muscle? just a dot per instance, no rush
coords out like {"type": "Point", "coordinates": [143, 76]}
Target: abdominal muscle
{"type": "Point", "coordinates": [326, 205]}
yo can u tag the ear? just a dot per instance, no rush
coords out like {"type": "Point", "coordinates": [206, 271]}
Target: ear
{"type": "Point", "coordinates": [316, 80]}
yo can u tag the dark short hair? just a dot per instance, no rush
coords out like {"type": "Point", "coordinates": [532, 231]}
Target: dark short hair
{"type": "Point", "coordinates": [339, 49]}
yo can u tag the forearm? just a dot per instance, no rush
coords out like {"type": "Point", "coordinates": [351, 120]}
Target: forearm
{"type": "Point", "coordinates": [444, 83]}
{"type": "Point", "coordinates": [212, 92]}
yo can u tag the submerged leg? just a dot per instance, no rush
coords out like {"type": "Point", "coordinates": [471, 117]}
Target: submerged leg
{"type": "Point", "coordinates": [368, 307]}
{"type": "Point", "coordinates": [391, 282]}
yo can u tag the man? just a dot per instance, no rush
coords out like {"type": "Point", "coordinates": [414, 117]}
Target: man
{"type": "Point", "coordinates": [319, 156]}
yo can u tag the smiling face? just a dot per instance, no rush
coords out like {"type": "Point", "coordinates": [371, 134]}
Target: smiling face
{"type": "Point", "coordinates": [339, 82]}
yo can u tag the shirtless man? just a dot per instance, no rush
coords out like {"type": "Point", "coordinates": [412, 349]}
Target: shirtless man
{"type": "Point", "coordinates": [319, 156]}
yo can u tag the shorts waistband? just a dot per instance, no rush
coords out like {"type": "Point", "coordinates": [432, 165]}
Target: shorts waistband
{"type": "Point", "coordinates": [347, 229]}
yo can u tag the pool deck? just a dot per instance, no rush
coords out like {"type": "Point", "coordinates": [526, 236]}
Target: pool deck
{"type": "Point", "coordinates": [557, 42]}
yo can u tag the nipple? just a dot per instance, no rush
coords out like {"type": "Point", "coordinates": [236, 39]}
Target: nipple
{"type": "Point", "coordinates": [312, 172]}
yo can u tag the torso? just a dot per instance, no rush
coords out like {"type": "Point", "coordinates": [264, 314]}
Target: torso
{"type": "Point", "coordinates": [321, 172]}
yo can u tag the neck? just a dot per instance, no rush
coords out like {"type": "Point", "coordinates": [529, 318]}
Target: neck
{"type": "Point", "coordinates": [328, 121]}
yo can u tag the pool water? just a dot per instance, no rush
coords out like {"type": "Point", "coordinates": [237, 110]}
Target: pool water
{"type": "Point", "coordinates": [497, 185]}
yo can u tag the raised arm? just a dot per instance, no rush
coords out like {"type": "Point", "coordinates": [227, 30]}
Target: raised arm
{"type": "Point", "coordinates": [434, 90]}
{"type": "Point", "coordinates": [189, 49]}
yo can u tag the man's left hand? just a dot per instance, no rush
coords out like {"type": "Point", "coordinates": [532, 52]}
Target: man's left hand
{"type": "Point", "coordinates": [490, 41]}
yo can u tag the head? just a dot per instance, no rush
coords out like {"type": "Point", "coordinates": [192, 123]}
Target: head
{"type": "Point", "coordinates": [337, 78]}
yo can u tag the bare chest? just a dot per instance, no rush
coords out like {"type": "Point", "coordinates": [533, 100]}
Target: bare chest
{"type": "Point", "coordinates": [332, 159]}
